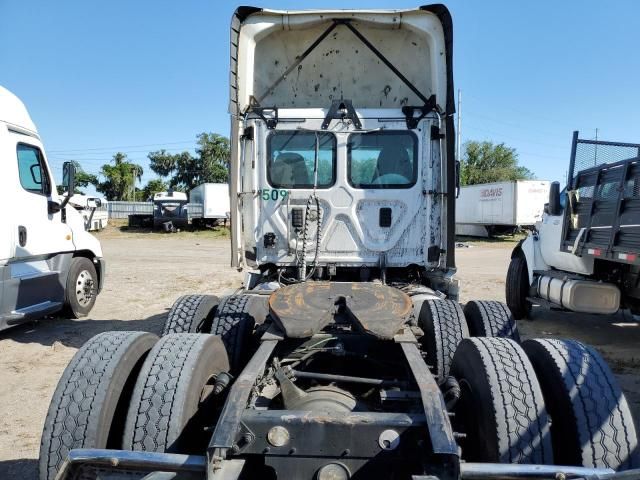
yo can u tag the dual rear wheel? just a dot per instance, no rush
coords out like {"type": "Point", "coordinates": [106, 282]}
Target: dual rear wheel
{"type": "Point", "coordinates": [545, 402]}
{"type": "Point", "coordinates": [129, 390]}
{"type": "Point", "coordinates": [230, 319]}
{"type": "Point", "coordinates": [445, 324]}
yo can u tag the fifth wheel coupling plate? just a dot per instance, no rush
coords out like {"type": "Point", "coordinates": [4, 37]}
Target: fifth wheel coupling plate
{"type": "Point", "coordinates": [303, 309]}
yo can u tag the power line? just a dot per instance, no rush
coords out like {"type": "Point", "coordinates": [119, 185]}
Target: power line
{"type": "Point", "coordinates": [537, 155]}
{"type": "Point", "coordinates": [97, 163]}
{"type": "Point", "coordinates": [119, 147]}
{"type": "Point", "coordinates": [546, 133]}
{"type": "Point", "coordinates": [126, 152]}
{"type": "Point", "coordinates": [518, 139]}
{"type": "Point", "coordinates": [510, 107]}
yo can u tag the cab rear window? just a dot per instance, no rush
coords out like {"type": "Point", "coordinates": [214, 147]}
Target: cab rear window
{"type": "Point", "coordinates": [291, 159]}
{"type": "Point", "coordinates": [382, 159]}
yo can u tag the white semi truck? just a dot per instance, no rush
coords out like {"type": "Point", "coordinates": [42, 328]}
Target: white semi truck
{"type": "Point", "coordinates": [345, 355]}
{"type": "Point", "coordinates": [584, 254]}
{"type": "Point", "coordinates": [48, 262]}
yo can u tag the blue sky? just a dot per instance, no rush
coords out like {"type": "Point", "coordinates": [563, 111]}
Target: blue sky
{"type": "Point", "coordinates": [101, 77]}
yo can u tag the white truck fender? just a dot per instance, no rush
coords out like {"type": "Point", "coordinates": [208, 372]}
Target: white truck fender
{"type": "Point", "coordinates": [530, 248]}
{"type": "Point", "coordinates": [85, 241]}
{"type": "Point", "coordinates": [82, 239]}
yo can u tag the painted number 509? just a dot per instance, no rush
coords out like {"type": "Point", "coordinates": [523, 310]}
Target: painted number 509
{"type": "Point", "coordinates": [274, 194]}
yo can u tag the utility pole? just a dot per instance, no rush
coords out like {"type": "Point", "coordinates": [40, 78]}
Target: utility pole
{"type": "Point", "coordinates": [133, 186]}
{"type": "Point", "coordinates": [458, 127]}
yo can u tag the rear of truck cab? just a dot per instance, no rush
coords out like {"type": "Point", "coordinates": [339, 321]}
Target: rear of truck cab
{"type": "Point", "coordinates": [363, 208]}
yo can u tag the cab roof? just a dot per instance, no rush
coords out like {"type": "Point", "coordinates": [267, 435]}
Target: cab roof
{"type": "Point", "coordinates": [168, 196]}
{"type": "Point", "coordinates": [14, 113]}
{"type": "Point", "coordinates": [308, 58]}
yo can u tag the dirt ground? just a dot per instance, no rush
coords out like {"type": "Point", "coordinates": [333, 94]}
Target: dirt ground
{"type": "Point", "coordinates": [146, 272]}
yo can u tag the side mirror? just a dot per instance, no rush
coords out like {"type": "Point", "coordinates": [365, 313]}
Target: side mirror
{"type": "Point", "coordinates": [554, 199]}
{"type": "Point", "coordinates": [94, 203]}
{"type": "Point", "coordinates": [69, 177]}
{"type": "Point", "coordinates": [68, 183]}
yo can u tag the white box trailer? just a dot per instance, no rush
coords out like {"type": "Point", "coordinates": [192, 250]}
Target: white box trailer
{"type": "Point", "coordinates": [209, 203]}
{"type": "Point", "coordinates": [500, 207]}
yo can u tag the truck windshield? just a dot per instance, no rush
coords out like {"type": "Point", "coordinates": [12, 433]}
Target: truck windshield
{"type": "Point", "coordinates": [291, 158]}
{"type": "Point", "coordinates": [383, 159]}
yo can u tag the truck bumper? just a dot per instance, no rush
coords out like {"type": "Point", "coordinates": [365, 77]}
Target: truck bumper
{"type": "Point", "coordinates": [112, 464]}
{"type": "Point", "coordinates": [88, 463]}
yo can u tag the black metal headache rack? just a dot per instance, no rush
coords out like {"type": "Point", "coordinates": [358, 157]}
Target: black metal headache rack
{"type": "Point", "coordinates": [603, 200]}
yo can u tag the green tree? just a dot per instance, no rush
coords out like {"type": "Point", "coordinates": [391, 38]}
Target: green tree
{"type": "Point", "coordinates": [215, 154]}
{"type": "Point", "coordinates": [185, 171]}
{"type": "Point", "coordinates": [120, 178]}
{"type": "Point", "coordinates": [83, 180]}
{"type": "Point", "coordinates": [485, 162]}
{"type": "Point", "coordinates": [152, 187]}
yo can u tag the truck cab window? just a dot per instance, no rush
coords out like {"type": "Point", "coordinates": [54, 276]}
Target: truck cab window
{"type": "Point", "coordinates": [32, 171]}
{"type": "Point", "coordinates": [382, 159]}
{"type": "Point", "coordinates": [291, 158]}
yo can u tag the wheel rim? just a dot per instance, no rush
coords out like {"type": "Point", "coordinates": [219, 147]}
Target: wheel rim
{"type": "Point", "coordinates": [85, 288]}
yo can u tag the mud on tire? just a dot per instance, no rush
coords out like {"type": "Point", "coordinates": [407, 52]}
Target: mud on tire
{"type": "Point", "coordinates": [444, 328]}
{"type": "Point", "coordinates": [88, 407]}
{"type": "Point", "coordinates": [169, 406]}
{"type": "Point", "coordinates": [191, 314]}
{"type": "Point", "coordinates": [488, 318]}
{"type": "Point", "coordinates": [501, 409]}
{"type": "Point", "coordinates": [591, 421]}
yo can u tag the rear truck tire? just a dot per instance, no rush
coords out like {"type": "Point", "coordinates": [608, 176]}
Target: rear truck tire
{"type": "Point", "coordinates": [517, 287]}
{"type": "Point", "coordinates": [488, 318]}
{"type": "Point", "coordinates": [501, 409]}
{"type": "Point", "coordinates": [191, 314]}
{"type": "Point", "coordinates": [444, 328]}
{"type": "Point", "coordinates": [171, 407]}
{"type": "Point", "coordinates": [89, 405]}
{"type": "Point", "coordinates": [81, 289]}
{"type": "Point", "coordinates": [234, 324]}
{"type": "Point", "coordinates": [591, 424]}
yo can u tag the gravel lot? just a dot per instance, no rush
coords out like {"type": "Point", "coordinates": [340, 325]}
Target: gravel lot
{"type": "Point", "coordinates": [148, 271]}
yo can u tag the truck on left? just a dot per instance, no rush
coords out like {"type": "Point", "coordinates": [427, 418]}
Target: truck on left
{"type": "Point", "coordinates": [48, 262]}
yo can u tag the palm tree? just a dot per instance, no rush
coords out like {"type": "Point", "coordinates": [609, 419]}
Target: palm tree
{"type": "Point", "coordinates": [120, 178]}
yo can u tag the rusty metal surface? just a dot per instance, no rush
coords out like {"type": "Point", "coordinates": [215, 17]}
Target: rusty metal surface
{"type": "Point", "coordinates": [435, 410]}
{"type": "Point", "coordinates": [304, 309]}
{"type": "Point", "coordinates": [224, 435]}
{"type": "Point", "coordinates": [328, 434]}
{"type": "Point", "coordinates": [133, 465]}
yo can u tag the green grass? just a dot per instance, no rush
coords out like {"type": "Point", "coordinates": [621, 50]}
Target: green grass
{"type": "Point", "coordinates": [119, 228]}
